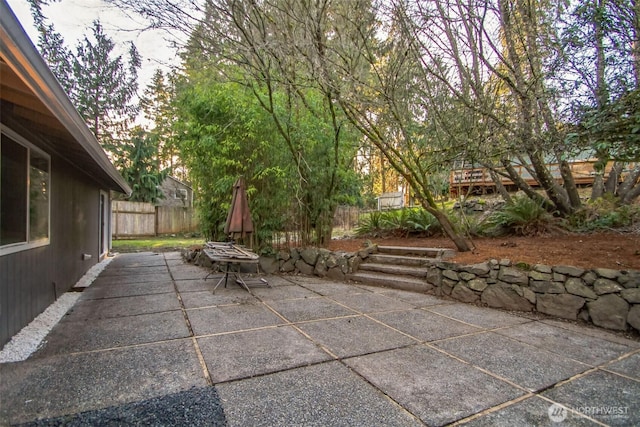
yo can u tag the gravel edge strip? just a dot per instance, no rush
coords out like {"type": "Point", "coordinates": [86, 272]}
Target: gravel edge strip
{"type": "Point", "coordinates": [25, 342]}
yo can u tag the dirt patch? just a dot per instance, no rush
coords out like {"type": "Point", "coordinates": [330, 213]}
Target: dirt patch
{"type": "Point", "coordinates": [604, 250]}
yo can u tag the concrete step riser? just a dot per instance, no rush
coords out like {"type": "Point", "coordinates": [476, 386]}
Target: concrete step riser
{"type": "Point", "coordinates": [399, 260]}
{"type": "Point", "coordinates": [388, 281]}
{"type": "Point", "coordinates": [425, 252]}
{"type": "Point", "coordinates": [398, 270]}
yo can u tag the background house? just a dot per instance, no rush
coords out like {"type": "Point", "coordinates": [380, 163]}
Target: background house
{"type": "Point", "coordinates": [54, 185]}
{"type": "Point", "coordinates": [176, 193]}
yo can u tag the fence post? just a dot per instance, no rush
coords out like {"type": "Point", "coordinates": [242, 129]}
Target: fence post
{"type": "Point", "coordinates": [116, 221]}
{"type": "Point", "coordinates": [155, 221]}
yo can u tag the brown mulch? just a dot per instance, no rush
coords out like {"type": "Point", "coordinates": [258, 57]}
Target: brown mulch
{"type": "Point", "coordinates": [620, 251]}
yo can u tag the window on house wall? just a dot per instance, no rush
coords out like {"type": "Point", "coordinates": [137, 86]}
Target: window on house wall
{"type": "Point", "coordinates": [181, 193]}
{"type": "Point", "coordinates": [24, 194]}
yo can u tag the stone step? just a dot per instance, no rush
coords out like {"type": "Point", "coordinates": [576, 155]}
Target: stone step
{"type": "Point", "coordinates": [440, 253]}
{"type": "Point", "coordinates": [416, 261]}
{"type": "Point", "coordinates": [398, 270]}
{"type": "Point", "coordinates": [391, 281]}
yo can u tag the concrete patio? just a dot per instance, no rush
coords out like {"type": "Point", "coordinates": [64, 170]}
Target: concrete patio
{"type": "Point", "coordinates": [148, 343]}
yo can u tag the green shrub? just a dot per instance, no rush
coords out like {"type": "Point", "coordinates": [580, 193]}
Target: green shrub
{"type": "Point", "coordinates": [603, 214]}
{"type": "Point", "coordinates": [523, 216]}
{"type": "Point", "coordinates": [422, 221]}
{"type": "Point", "coordinates": [396, 222]}
{"type": "Point", "coordinates": [401, 222]}
{"type": "Point", "coordinates": [369, 224]}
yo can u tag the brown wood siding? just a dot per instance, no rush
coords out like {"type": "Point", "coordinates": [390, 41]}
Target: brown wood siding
{"type": "Point", "coordinates": [27, 278]}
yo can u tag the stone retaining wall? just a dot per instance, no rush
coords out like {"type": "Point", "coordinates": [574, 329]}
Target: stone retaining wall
{"type": "Point", "coordinates": [307, 261]}
{"type": "Point", "coordinates": [315, 262]}
{"type": "Point", "coordinates": [607, 298]}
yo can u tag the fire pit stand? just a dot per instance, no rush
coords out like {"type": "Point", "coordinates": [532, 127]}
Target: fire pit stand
{"type": "Point", "coordinates": [230, 254]}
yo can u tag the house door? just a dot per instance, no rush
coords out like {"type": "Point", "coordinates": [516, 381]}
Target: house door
{"type": "Point", "coordinates": [104, 223]}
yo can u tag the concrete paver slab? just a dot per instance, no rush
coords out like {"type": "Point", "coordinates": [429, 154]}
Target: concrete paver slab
{"type": "Point", "coordinates": [309, 309]}
{"type": "Point", "coordinates": [131, 289]}
{"type": "Point", "coordinates": [479, 316]}
{"type": "Point", "coordinates": [529, 367]}
{"type": "Point", "coordinates": [274, 281]}
{"type": "Point", "coordinates": [67, 384]}
{"type": "Point", "coordinates": [416, 299]}
{"type": "Point", "coordinates": [135, 260]}
{"type": "Point", "coordinates": [209, 299]}
{"type": "Point", "coordinates": [592, 331]}
{"type": "Point", "coordinates": [69, 337]}
{"type": "Point", "coordinates": [326, 287]}
{"type": "Point", "coordinates": [131, 278]}
{"type": "Point", "coordinates": [629, 366]}
{"type": "Point", "coordinates": [173, 255]}
{"type": "Point", "coordinates": [370, 302]}
{"type": "Point", "coordinates": [436, 388]}
{"type": "Point", "coordinates": [246, 354]}
{"type": "Point", "coordinates": [230, 318]}
{"type": "Point", "coordinates": [283, 292]}
{"type": "Point", "coordinates": [191, 285]}
{"type": "Point", "coordinates": [122, 306]}
{"type": "Point", "coordinates": [607, 398]}
{"type": "Point", "coordinates": [188, 272]}
{"type": "Point", "coordinates": [354, 336]}
{"type": "Point", "coordinates": [328, 394]}
{"type": "Point", "coordinates": [194, 407]}
{"type": "Point", "coordinates": [174, 261]}
{"type": "Point", "coordinates": [424, 325]}
{"type": "Point", "coordinates": [127, 271]}
{"type": "Point", "coordinates": [531, 412]}
{"type": "Point", "coordinates": [583, 348]}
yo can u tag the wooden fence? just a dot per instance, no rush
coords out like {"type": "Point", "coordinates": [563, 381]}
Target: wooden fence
{"type": "Point", "coordinates": [136, 219]}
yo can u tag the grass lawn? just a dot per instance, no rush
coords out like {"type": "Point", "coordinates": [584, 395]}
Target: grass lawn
{"type": "Point", "coordinates": [155, 244]}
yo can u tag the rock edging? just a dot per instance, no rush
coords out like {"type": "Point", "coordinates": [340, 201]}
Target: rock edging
{"type": "Point", "coordinates": [605, 297]}
{"type": "Point", "coordinates": [315, 262]}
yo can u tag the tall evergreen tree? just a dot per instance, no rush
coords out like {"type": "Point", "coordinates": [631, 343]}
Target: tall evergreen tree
{"type": "Point", "coordinates": [105, 88]}
{"type": "Point", "coordinates": [52, 47]}
{"type": "Point", "coordinates": [138, 164]}
{"type": "Point", "coordinates": [158, 109]}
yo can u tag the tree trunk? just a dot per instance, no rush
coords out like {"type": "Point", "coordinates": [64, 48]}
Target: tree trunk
{"type": "Point", "coordinates": [613, 180]}
{"type": "Point", "coordinates": [547, 182]}
{"type": "Point", "coordinates": [570, 185]}
{"type": "Point", "coordinates": [626, 189]}
{"type": "Point", "coordinates": [522, 185]}
{"type": "Point", "coordinates": [461, 243]}
{"type": "Point", "coordinates": [597, 188]}
{"type": "Point", "coordinates": [499, 187]}
{"type": "Point", "coordinates": [631, 195]}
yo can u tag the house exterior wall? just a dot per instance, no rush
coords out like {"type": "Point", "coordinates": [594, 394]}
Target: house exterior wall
{"type": "Point", "coordinates": [170, 187]}
{"type": "Point", "coordinates": [30, 280]}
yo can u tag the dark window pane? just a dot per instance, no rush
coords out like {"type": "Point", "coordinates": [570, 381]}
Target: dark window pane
{"type": "Point", "coordinates": [38, 197]}
{"type": "Point", "coordinates": [13, 192]}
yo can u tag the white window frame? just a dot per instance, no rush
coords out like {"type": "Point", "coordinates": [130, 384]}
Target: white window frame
{"type": "Point", "coordinates": [23, 246]}
{"type": "Point", "coordinates": [179, 191]}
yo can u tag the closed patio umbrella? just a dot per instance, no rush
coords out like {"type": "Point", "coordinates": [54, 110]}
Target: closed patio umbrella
{"type": "Point", "coordinates": [239, 223]}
